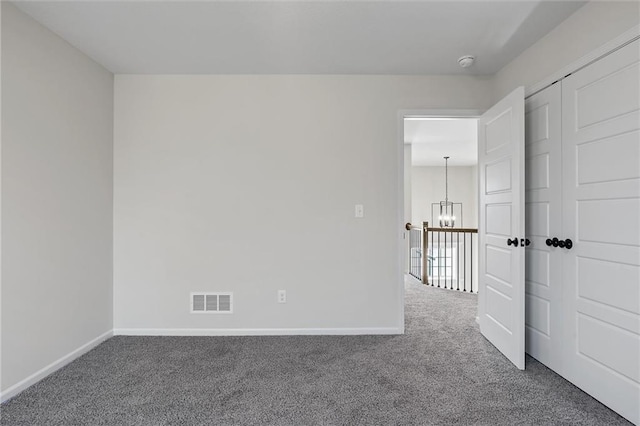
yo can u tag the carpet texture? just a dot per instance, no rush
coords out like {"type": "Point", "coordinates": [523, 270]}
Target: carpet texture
{"type": "Point", "coordinates": [441, 372]}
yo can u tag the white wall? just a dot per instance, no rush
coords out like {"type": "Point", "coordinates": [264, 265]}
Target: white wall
{"type": "Point", "coordinates": [57, 124]}
{"type": "Point", "coordinates": [427, 187]}
{"type": "Point", "coordinates": [590, 27]}
{"type": "Point", "coordinates": [248, 184]}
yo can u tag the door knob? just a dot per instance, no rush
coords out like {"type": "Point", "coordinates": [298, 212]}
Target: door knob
{"type": "Point", "coordinates": [514, 242]}
{"type": "Point", "coordinates": [560, 243]}
{"type": "Point", "coordinates": [525, 242]}
{"type": "Point", "coordinates": [552, 242]}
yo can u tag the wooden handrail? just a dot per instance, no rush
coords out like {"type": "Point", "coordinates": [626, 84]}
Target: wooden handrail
{"type": "Point", "coordinates": [408, 226]}
{"type": "Point", "coordinates": [470, 230]}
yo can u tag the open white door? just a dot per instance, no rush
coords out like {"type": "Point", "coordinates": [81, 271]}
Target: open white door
{"type": "Point", "coordinates": [501, 226]}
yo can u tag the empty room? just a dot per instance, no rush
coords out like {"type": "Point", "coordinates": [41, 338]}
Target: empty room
{"type": "Point", "coordinates": [319, 212]}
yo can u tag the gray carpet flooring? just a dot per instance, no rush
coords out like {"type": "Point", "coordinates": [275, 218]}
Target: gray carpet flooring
{"type": "Point", "coordinates": [441, 372]}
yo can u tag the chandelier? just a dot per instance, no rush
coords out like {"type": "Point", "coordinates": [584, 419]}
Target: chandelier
{"type": "Point", "coordinates": [446, 215]}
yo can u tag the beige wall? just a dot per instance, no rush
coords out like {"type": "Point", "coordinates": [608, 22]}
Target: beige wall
{"type": "Point", "coordinates": [590, 27]}
{"type": "Point", "coordinates": [57, 109]}
{"type": "Point", "coordinates": [248, 184]}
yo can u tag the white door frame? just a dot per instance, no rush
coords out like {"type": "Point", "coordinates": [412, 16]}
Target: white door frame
{"type": "Point", "coordinates": [402, 114]}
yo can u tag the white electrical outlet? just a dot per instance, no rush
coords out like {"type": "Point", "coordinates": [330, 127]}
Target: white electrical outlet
{"type": "Point", "coordinates": [282, 296]}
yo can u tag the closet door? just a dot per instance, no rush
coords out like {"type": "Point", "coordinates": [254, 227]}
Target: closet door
{"type": "Point", "coordinates": [601, 203]}
{"type": "Point", "coordinates": [543, 205]}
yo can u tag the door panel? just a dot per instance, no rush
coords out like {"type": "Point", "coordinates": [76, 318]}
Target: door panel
{"type": "Point", "coordinates": [501, 207]}
{"type": "Point", "coordinates": [607, 151]}
{"type": "Point", "coordinates": [590, 213]}
{"type": "Point", "coordinates": [537, 315]}
{"type": "Point", "coordinates": [498, 219]}
{"type": "Point", "coordinates": [622, 293]}
{"type": "Point", "coordinates": [604, 98]}
{"type": "Point", "coordinates": [537, 214]}
{"type": "Point", "coordinates": [537, 268]}
{"type": "Point", "coordinates": [537, 172]}
{"type": "Point", "coordinates": [543, 200]}
{"type": "Point", "coordinates": [499, 265]}
{"type": "Point", "coordinates": [601, 203]}
{"type": "Point", "coordinates": [498, 176]}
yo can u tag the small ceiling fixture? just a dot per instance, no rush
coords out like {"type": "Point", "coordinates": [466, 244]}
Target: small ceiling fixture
{"type": "Point", "coordinates": [466, 61]}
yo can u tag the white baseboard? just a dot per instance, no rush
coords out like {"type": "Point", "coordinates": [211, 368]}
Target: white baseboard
{"type": "Point", "coordinates": [411, 279]}
{"type": "Point", "coordinates": [54, 366]}
{"type": "Point", "coordinates": [255, 331]}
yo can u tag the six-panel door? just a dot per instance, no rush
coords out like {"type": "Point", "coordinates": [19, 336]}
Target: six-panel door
{"type": "Point", "coordinates": [501, 207]}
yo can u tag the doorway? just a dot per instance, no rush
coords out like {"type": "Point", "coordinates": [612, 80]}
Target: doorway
{"type": "Point", "coordinates": [441, 188]}
{"type": "Point", "coordinates": [441, 198]}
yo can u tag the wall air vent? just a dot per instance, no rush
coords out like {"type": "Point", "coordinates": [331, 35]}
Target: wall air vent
{"type": "Point", "coordinates": [211, 303]}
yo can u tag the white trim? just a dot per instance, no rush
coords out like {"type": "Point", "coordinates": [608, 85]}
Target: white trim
{"type": "Point", "coordinates": [615, 44]}
{"type": "Point", "coordinates": [411, 279]}
{"type": "Point", "coordinates": [256, 331]}
{"type": "Point", "coordinates": [54, 366]}
{"type": "Point", "coordinates": [1, 206]}
{"type": "Point", "coordinates": [402, 244]}
{"type": "Point", "coordinates": [439, 113]}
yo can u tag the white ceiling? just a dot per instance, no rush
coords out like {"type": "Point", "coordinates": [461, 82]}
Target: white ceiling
{"type": "Point", "coordinates": [300, 37]}
{"type": "Point", "coordinates": [432, 139]}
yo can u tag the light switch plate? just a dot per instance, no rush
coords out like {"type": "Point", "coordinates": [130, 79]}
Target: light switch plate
{"type": "Point", "coordinates": [359, 210]}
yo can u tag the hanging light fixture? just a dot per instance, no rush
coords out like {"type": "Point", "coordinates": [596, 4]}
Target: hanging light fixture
{"type": "Point", "coordinates": [447, 217]}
